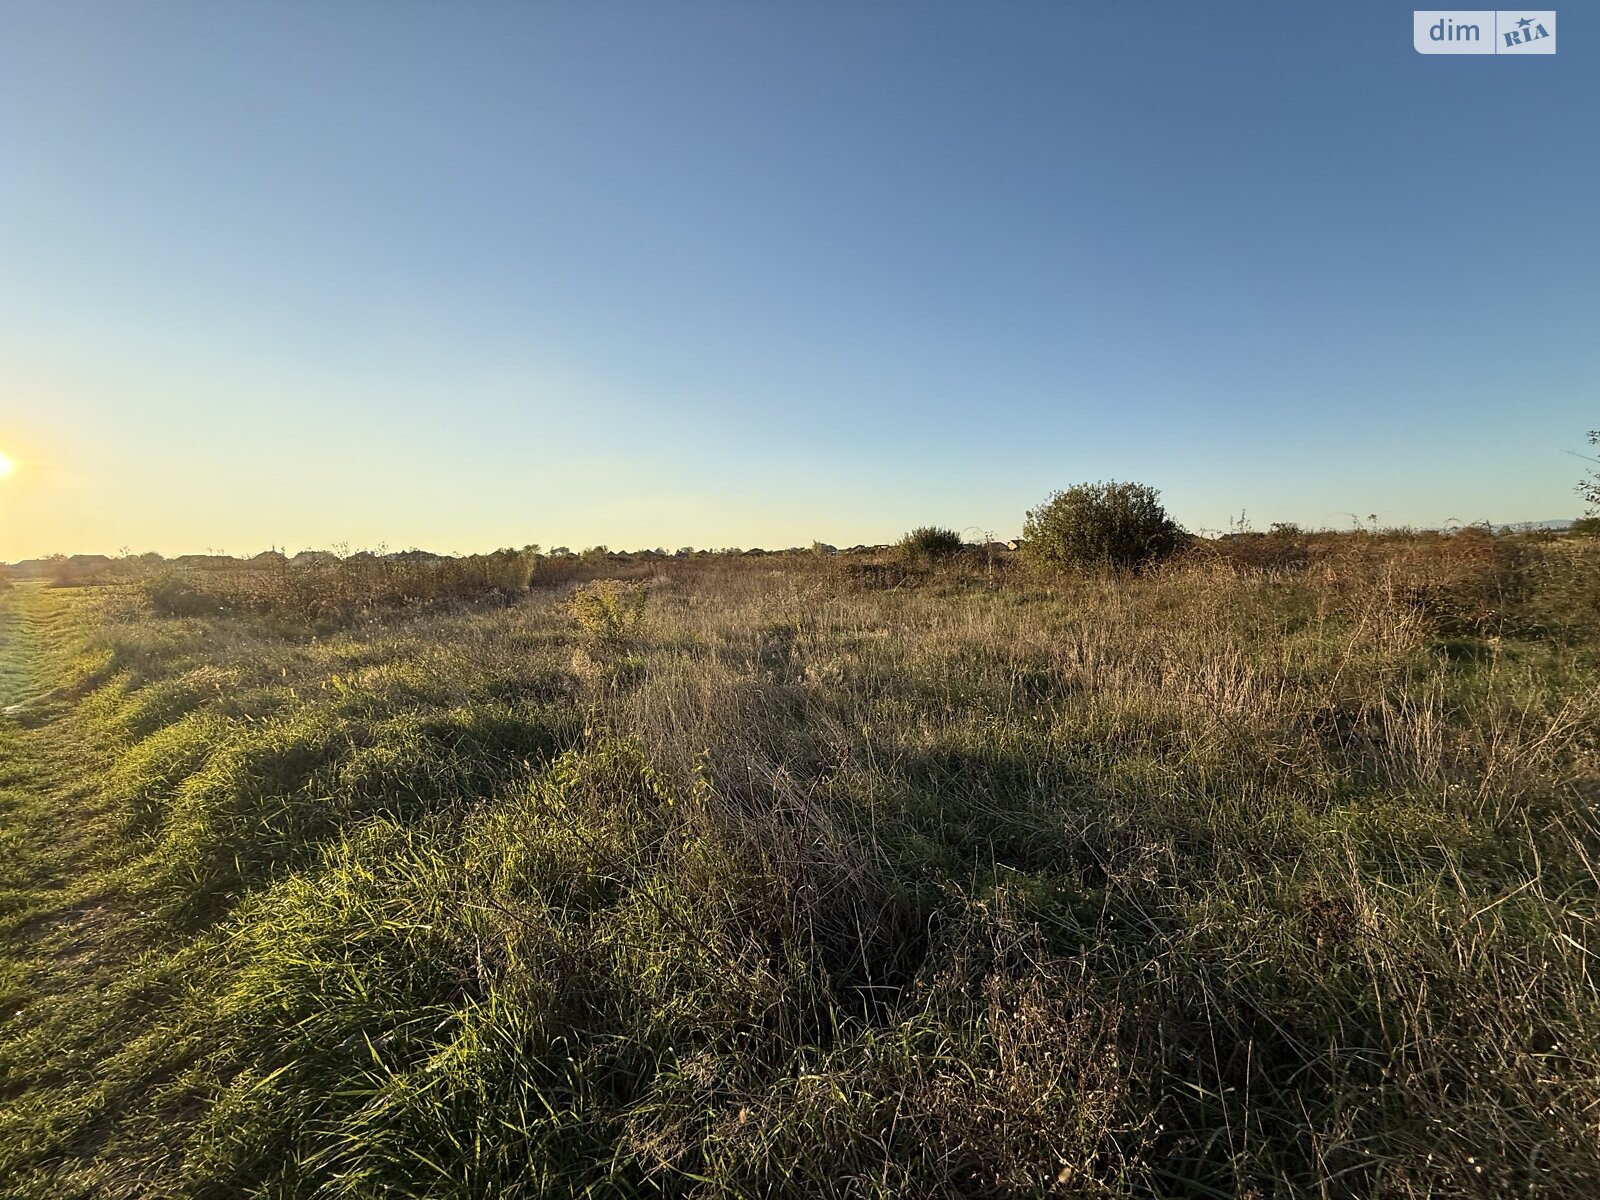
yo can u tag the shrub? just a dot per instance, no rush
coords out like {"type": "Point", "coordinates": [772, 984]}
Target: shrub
{"type": "Point", "coordinates": [342, 590]}
{"type": "Point", "coordinates": [508, 570]}
{"type": "Point", "coordinates": [888, 576]}
{"type": "Point", "coordinates": [609, 612]}
{"type": "Point", "coordinates": [59, 571]}
{"type": "Point", "coordinates": [1120, 525]}
{"type": "Point", "coordinates": [1284, 547]}
{"type": "Point", "coordinates": [929, 543]}
{"type": "Point", "coordinates": [174, 594]}
{"type": "Point", "coordinates": [1585, 527]}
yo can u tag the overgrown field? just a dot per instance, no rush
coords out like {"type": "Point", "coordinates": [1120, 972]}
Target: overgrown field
{"type": "Point", "coordinates": [782, 878]}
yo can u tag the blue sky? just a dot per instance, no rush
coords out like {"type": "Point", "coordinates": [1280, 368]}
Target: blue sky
{"type": "Point", "coordinates": [462, 275]}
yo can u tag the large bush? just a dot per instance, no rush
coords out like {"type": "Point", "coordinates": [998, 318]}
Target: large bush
{"type": "Point", "coordinates": [1119, 525]}
{"type": "Point", "coordinates": [930, 544]}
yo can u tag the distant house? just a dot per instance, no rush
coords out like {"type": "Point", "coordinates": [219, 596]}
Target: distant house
{"type": "Point", "coordinates": [205, 561]}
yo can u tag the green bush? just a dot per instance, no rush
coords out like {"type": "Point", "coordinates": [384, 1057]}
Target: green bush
{"type": "Point", "coordinates": [1585, 527]}
{"type": "Point", "coordinates": [929, 543]}
{"type": "Point", "coordinates": [1120, 525]}
{"type": "Point", "coordinates": [609, 612]}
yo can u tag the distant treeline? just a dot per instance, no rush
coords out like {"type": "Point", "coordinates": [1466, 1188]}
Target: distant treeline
{"type": "Point", "coordinates": [72, 569]}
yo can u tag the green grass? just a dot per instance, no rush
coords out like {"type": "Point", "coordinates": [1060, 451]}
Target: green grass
{"type": "Point", "coordinates": [1202, 883]}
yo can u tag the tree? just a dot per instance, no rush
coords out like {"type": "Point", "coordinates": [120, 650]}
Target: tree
{"type": "Point", "coordinates": [1118, 525]}
{"type": "Point", "coordinates": [1589, 488]}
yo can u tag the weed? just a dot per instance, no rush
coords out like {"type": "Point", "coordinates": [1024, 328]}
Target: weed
{"type": "Point", "coordinates": [609, 613]}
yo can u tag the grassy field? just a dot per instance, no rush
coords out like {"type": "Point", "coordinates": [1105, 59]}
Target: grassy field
{"type": "Point", "coordinates": [797, 877]}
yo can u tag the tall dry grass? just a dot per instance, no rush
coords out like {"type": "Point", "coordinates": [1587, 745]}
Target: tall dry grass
{"type": "Point", "coordinates": [1234, 878]}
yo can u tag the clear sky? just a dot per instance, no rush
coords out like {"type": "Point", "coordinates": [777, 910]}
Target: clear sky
{"type": "Point", "coordinates": [458, 275]}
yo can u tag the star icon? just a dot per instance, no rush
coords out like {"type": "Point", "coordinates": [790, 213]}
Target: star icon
{"type": "Point", "coordinates": [1525, 22]}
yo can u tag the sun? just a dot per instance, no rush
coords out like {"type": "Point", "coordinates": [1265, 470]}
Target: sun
{"type": "Point", "coordinates": [6, 466]}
